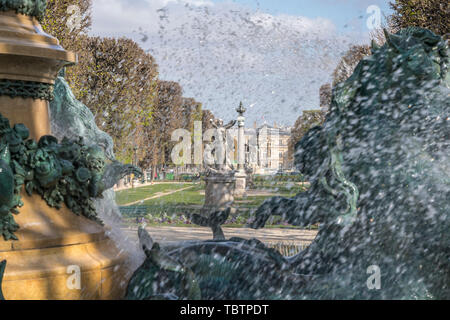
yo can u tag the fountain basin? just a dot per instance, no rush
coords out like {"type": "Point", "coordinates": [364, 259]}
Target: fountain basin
{"type": "Point", "coordinates": [50, 243]}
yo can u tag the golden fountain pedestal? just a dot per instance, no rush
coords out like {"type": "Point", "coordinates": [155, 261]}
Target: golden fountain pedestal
{"type": "Point", "coordinates": [53, 244]}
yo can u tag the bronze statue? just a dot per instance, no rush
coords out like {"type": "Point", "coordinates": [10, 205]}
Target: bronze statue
{"type": "Point", "coordinates": [380, 181]}
{"type": "Point", "coordinates": [68, 172]}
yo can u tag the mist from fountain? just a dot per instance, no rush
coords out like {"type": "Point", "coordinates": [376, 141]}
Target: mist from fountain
{"type": "Point", "coordinates": [70, 118]}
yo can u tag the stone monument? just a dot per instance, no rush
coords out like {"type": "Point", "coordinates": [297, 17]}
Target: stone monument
{"type": "Point", "coordinates": [220, 182]}
{"type": "Point", "coordinates": [48, 236]}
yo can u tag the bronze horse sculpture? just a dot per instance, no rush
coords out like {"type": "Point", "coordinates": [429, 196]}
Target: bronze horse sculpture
{"type": "Point", "coordinates": [380, 184]}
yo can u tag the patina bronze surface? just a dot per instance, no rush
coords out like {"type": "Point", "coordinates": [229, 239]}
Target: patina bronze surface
{"type": "Point", "coordinates": [33, 8]}
{"type": "Point", "coordinates": [379, 175]}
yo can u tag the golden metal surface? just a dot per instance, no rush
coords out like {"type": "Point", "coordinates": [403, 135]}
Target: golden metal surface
{"type": "Point", "coordinates": [50, 240]}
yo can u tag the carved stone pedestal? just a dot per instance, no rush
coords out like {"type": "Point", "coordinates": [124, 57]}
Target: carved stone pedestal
{"type": "Point", "coordinates": [54, 248]}
{"type": "Point", "coordinates": [218, 192]}
{"type": "Point", "coordinates": [218, 201]}
{"type": "Point", "coordinates": [241, 184]}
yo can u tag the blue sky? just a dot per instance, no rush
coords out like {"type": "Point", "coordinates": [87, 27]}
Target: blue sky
{"type": "Point", "coordinates": [272, 55]}
{"type": "Point", "coordinates": [341, 12]}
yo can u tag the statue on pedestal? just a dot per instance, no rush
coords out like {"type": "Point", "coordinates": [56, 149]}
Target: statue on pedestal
{"type": "Point", "coordinates": [222, 162]}
{"type": "Point", "coordinates": [219, 178]}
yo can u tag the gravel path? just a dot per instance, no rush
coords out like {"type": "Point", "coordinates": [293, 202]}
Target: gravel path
{"type": "Point", "coordinates": [167, 235]}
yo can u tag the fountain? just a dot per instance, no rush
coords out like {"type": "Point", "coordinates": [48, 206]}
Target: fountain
{"type": "Point", "coordinates": [48, 220]}
{"type": "Point", "coordinates": [378, 168]}
{"type": "Point", "coordinates": [223, 183]}
{"type": "Point", "coordinates": [379, 174]}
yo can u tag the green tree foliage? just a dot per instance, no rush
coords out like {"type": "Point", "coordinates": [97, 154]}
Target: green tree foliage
{"type": "Point", "coordinates": [430, 14]}
{"type": "Point", "coordinates": [167, 117]}
{"type": "Point", "coordinates": [207, 116]}
{"type": "Point", "coordinates": [115, 78]}
{"type": "Point", "coordinates": [119, 86]}
{"type": "Point", "coordinates": [191, 112]}
{"type": "Point", "coordinates": [119, 82]}
{"type": "Point", "coordinates": [68, 21]}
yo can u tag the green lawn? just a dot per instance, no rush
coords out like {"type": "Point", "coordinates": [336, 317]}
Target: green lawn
{"type": "Point", "coordinates": [256, 201]}
{"type": "Point", "coordinates": [131, 195]}
{"type": "Point", "coordinates": [279, 186]}
{"type": "Point", "coordinates": [196, 197]}
{"type": "Point", "coordinates": [173, 209]}
{"type": "Point", "coordinates": [191, 196]}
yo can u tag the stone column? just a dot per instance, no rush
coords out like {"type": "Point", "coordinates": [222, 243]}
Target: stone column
{"type": "Point", "coordinates": [52, 244]}
{"type": "Point", "coordinates": [241, 143]}
{"type": "Point", "coordinates": [240, 175]}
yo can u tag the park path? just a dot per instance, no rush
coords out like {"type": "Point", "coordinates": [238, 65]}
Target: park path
{"type": "Point", "coordinates": [168, 235]}
{"type": "Point", "coordinates": [159, 195]}
{"type": "Point", "coordinates": [139, 185]}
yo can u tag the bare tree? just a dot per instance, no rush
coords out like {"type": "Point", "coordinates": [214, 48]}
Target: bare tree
{"type": "Point", "coordinates": [349, 62]}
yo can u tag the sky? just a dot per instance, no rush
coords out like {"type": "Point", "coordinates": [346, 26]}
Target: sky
{"type": "Point", "coordinates": [273, 55]}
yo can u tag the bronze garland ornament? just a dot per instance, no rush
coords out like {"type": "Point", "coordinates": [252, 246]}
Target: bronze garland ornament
{"type": "Point", "coordinates": [33, 8]}
{"type": "Point", "coordinates": [68, 172]}
{"type": "Point", "coordinates": [26, 89]}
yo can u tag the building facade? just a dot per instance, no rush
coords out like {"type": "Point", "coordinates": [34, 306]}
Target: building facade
{"type": "Point", "coordinates": [267, 149]}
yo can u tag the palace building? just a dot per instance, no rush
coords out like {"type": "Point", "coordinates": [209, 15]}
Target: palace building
{"type": "Point", "coordinates": [267, 149]}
